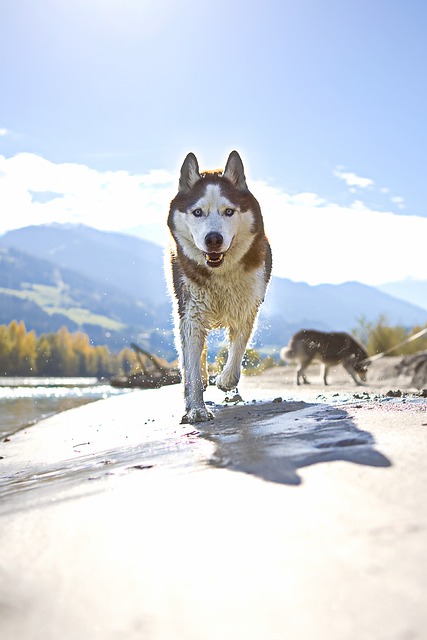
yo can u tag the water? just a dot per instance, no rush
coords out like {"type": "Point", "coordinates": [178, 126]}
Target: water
{"type": "Point", "coordinates": [25, 401]}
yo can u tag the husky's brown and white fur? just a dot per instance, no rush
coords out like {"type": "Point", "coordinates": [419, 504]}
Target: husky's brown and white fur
{"type": "Point", "coordinates": [220, 267]}
{"type": "Point", "coordinates": [331, 349]}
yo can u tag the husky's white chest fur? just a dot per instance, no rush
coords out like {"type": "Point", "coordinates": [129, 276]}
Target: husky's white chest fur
{"type": "Point", "coordinates": [226, 302]}
{"type": "Point", "coordinates": [221, 265]}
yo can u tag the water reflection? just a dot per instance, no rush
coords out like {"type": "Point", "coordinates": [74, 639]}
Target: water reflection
{"type": "Point", "coordinates": [25, 401]}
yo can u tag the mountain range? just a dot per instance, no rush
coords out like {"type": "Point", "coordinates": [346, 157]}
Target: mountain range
{"type": "Point", "coordinates": [113, 287]}
{"type": "Point", "coordinates": [410, 290]}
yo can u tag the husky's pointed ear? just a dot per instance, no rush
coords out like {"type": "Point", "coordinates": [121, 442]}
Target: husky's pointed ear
{"type": "Point", "coordinates": [189, 173]}
{"type": "Point", "coordinates": [234, 171]}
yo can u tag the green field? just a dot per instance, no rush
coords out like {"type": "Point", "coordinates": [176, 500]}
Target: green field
{"type": "Point", "coordinates": [56, 300]}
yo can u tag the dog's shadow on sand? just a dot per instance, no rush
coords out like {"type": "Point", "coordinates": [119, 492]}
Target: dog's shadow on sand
{"type": "Point", "coordinates": [273, 440]}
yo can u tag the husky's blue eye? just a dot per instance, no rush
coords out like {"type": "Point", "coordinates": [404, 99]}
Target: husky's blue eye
{"type": "Point", "coordinates": [229, 212]}
{"type": "Point", "coordinates": [197, 213]}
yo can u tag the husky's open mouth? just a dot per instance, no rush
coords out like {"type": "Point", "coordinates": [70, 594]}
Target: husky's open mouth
{"type": "Point", "coordinates": [214, 259]}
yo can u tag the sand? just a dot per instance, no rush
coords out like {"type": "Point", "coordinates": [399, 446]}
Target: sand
{"type": "Point", "coordinates": [300, 514]}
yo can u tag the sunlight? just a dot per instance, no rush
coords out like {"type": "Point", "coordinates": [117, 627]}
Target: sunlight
{"type": "Point", "coordinates": [127, 16]}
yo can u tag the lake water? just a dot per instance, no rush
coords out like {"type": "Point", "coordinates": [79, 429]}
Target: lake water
{"type": "Point", "coordinates": [25, 401]}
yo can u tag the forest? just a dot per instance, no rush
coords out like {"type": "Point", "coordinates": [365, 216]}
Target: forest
{"type": "Point", "coordinates": [23, 353]}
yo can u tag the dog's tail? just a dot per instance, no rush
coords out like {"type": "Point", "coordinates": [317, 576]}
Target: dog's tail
{"type": "Point", "coordinates": [287, 353]}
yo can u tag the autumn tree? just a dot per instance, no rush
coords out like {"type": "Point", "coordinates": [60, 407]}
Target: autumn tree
{"type": "Point", "coordinates": [58, 354]}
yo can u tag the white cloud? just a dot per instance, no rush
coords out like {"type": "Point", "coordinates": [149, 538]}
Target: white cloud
{"type": "Point", "coordinates": [3, 132]}
{"type": "Point", "coordinates": [399, 201]}
{"type": "Point", "coordinates": [353, 180]}
{"type": "Point", "coordinates": [312, 240]}
{"type": "Point", "coordinates": [111, 200]}
{"type": "Point", "coordinates": [327, 242]}
{"type": "Point", "coordinates": [358, 205]}
{"type": "Point", "coordinates": [356, 182]}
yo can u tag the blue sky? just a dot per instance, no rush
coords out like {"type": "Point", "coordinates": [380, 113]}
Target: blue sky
{"type": "Point", "coordinates": [325, 101]}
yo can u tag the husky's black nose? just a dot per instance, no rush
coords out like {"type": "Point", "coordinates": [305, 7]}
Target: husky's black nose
{"type": "Point", "coordinates": [213, 241]}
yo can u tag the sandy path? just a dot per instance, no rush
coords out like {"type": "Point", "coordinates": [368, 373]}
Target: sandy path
{"type": "Point", "coordinates": [279, 520]}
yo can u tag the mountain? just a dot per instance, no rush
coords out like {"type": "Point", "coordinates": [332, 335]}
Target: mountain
{"type": "Point", "coordinates": [112, 286]}
{"type": "Point", "coordinates": [129, 263]}
{"type": "Point", "coordinates": [410, 290]}
{"type": "Point", "coordinates": [338, 305]}
{"type": "Point", "coordinates": [47, 296]}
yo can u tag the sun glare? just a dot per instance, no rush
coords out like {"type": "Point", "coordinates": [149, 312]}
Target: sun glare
{"type": "Point", "coordinates": [130, 16]}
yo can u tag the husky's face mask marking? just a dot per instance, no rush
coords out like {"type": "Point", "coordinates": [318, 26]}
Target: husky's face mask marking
{"type": "Point", "coordinates": [213, 213]}
{"type": "Point", "coordinates": [213, 222]}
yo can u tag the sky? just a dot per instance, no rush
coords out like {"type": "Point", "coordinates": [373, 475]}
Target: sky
{"type": "Point", "coordinates": [326, 102]}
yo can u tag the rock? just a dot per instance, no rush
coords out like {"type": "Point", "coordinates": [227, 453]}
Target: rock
{"type": "Point", "coordinates": [394, 394]}
{"type": "Point", "coordinates": [415, 367]}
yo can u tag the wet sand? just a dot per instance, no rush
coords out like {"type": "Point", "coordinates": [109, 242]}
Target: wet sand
{"type": "Point", "coordinates": [303, 517]}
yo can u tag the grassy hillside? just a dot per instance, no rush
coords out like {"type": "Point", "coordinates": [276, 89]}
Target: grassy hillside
{"type": "Point", "coordinates": [131, 264]}
{"type": "Point", "coordinates": [44, 295]}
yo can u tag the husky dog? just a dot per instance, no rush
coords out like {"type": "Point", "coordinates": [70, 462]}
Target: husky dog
{"type": "Point", "coordinates": [331, 349]}
{"type": "Point", "coordinates": [220, 268]}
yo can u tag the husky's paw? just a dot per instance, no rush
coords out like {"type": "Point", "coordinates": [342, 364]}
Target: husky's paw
{"type": "Point", "coordinates": [201, 414]}
{"type": "Point", "coordinates": [226, 381]}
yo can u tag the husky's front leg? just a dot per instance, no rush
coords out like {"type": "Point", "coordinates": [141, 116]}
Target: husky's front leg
{"type": "Point", "coordinates": [192, 345]}
{"type": "Point", "coordinates": [230, 375]}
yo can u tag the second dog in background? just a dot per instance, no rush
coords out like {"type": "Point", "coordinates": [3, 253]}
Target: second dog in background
{"type": "Point", "coordinates": [328, 348]}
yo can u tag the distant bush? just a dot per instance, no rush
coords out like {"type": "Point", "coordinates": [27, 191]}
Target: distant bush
{"type": "Point", "coordinates": [380, 336]}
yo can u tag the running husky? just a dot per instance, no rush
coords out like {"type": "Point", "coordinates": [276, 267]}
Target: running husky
{"type": "Point", "coordinates": [330, 349]}
{"type": "Point", "coordinates": [220, 268]}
